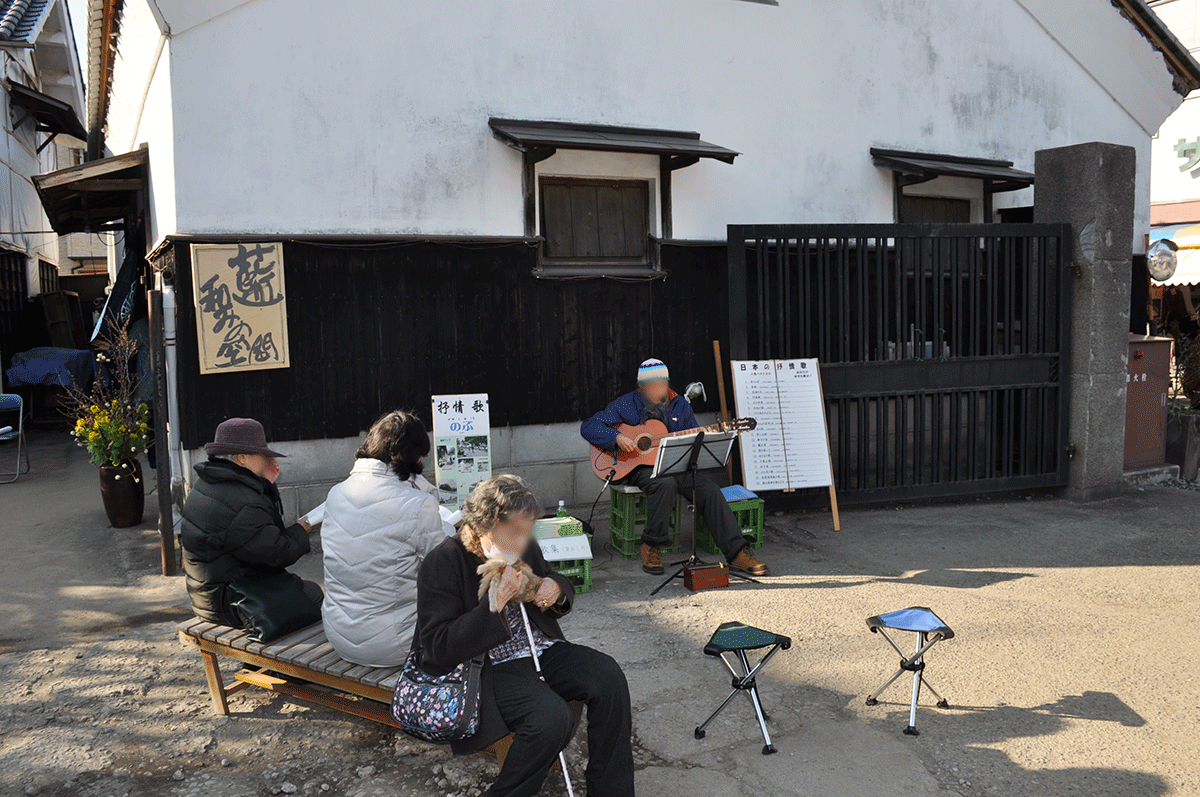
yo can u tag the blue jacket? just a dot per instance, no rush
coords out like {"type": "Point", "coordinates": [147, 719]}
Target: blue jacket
{"type": "Point", "coordinates": [630, 409]}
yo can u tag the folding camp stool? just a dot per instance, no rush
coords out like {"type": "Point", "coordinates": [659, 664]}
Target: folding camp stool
{"type": "Point", "coordinates": [930, 630]}
{"type": "Point", "coordinates": [737, 638]}
{"type": "Point", "coordinates": [11, 402]}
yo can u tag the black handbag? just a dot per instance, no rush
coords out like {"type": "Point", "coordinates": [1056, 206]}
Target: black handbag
{"type": "Point", "coordinates": [272, 606]}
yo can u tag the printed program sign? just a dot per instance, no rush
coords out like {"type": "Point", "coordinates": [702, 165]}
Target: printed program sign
{"type": "Point", "coordinates": [789, 449]}
{"type": "Point", "coordinates": [241, 307]}
{"type": "Point", "coordinates": [461, 444]}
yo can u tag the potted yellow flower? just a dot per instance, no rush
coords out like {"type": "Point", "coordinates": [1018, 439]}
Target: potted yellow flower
{"type": "Point", "coordinates": [114, 428]}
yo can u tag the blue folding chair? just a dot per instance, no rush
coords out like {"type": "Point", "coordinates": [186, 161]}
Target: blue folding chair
{"type": "Point", "coordinates": [930, 630]}
{"type": "Point", "coordinates": [10, 402]}
{"type": "Point", "coordinates": [736, 639]}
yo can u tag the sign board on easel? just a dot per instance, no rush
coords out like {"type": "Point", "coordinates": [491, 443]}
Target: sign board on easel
{"type": "Point", "coordinates": [461, 445]}
{"type": "Point", "coordinates": [789, 449]}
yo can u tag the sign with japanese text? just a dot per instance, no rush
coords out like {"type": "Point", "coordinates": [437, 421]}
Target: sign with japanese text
{"type": "Point", "coordinates": [789, 449]}
{"type": "Point", "coordinates": [462, 445]}
{"type": "Point", "coordinates": [241, 306]}
{"type": "Point", "coordinates": [1189, 153]}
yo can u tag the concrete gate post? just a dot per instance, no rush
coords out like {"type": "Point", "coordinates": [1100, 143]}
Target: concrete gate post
{"type": "Point", "coordinates": [1091, 187]}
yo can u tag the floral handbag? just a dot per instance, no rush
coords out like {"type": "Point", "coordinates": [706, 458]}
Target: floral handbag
{"type": "Point", "coordinates": [441, 708]}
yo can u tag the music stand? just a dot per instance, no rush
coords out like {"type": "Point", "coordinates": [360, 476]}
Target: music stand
{"type": "Point", "coordinates": [684, 455]}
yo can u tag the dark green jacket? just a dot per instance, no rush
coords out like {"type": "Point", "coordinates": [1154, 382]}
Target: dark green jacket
{"type": "Point", "coordinates": [233, 527]}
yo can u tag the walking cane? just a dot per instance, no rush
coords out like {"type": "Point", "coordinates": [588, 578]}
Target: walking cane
{"type": "Point", "coordinates": [537, 665]}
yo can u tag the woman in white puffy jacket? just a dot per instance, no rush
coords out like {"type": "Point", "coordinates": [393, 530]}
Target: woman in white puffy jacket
{"type": "Point", "coordinates": [379, 525]}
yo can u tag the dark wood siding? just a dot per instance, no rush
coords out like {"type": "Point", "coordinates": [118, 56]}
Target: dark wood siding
{"type": "Point", "coordinates": [373, 328]}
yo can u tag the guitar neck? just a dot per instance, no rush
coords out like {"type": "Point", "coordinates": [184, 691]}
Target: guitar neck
{"type": "Point", "coordinates": [716, 427]}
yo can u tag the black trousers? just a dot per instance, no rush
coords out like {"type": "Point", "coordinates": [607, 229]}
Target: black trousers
{"type": "Point", "coordinates": [709, 502]}
{"type": "Point", "coordinates": [541, 721]}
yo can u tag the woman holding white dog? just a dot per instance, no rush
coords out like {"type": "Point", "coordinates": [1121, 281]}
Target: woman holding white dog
{"type": "Point", "coordinates": [458, 621]}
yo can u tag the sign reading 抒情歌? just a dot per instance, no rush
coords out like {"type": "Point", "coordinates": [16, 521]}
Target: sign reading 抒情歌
{"type": "Point", "coordinates": [241, 306]}
{"type": "Point", "coordinates": [462, 445]}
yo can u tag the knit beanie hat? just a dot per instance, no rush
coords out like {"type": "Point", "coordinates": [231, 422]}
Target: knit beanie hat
{"type": "Point", "coordinates": [652, 370]}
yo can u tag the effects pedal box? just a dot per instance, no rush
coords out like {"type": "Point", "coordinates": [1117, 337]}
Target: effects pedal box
{"type": "Point", "coordinates": [706, 576]}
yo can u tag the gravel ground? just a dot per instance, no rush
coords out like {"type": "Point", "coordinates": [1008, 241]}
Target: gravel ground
{"type": "Point", "coordinates": [1074, 669]}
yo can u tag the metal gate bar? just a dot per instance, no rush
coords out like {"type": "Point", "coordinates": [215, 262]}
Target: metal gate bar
{"type": "Point", "coordinates": [943, 348]}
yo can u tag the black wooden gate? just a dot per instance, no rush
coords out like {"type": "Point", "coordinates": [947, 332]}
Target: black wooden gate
{"type": "Point", "coordinates": [943, 348]}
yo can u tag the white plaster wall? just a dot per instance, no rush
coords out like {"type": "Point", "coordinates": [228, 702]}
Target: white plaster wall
{"type": "Point", "coordinates": [140, 110]}
{"type": "Point", "coordinates": [379, 123]}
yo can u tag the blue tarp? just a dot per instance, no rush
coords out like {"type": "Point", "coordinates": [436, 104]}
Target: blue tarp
{"type": "Point", "coordinates": [50, 367]}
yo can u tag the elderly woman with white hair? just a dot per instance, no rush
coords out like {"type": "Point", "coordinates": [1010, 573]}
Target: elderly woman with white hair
{"type": "Point", "coordinates": [455, 625]}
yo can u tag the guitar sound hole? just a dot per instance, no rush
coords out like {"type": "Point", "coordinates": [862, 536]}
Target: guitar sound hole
{"type": "Point", "coordinates": [643, 444]}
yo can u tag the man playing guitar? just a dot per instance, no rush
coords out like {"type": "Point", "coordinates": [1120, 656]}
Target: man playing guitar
{"type": "Point", "coordinates": [655, 400]}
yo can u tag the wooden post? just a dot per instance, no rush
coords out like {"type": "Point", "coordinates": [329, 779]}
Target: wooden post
{"type": "Point", "coordinates": [158, 372]}
{"type": "Point", "coordinates": [833, 505]}
{"type": "Point", "coordinates": [721, 394]}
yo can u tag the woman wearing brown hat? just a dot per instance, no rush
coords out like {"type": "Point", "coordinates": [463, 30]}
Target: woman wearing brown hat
{"type": "Point", "coordinates": [233, 521]}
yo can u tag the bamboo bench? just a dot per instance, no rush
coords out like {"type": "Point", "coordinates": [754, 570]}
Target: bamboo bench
{"type": "Point", "coordinates": [303, 665]}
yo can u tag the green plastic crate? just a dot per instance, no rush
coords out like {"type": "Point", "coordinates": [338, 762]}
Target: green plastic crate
{"type": "Point", "coordinates": [749, 513]}
{"type": "Point", "coordinates": [579, 571]}
{"type": "Point", "coordinates": [627, 515]}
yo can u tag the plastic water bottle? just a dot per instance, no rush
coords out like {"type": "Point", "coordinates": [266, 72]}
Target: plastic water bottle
{"type": "Point", "coordinates": [562, 508]}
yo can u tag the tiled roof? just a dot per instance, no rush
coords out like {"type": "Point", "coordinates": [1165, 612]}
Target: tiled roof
{"type": "Point", "coordinates": [20, 18]}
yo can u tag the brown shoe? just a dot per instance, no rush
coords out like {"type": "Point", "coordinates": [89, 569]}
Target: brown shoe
{"type": "Point", "coordinates": [652, 560]}
{"type": "Point", "coordinates": [746, 562]}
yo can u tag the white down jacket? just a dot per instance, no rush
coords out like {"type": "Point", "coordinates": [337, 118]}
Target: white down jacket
{"type": "Point", "coordinates": [377, 531]}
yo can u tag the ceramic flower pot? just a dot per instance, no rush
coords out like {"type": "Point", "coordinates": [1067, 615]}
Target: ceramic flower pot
{"type": "Point", "coordinates": [123, 492]}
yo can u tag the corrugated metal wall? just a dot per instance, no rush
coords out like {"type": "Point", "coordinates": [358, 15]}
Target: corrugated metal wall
{"type": "Point", "coordinates": [377, 327]}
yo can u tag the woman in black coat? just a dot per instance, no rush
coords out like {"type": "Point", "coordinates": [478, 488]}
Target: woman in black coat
{"type": "Point", "coordinates": [454, 625]}
{"type": "Point", "coordinates": [232, 522]}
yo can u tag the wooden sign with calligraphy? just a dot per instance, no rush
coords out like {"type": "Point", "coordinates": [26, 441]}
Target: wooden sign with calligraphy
{"type": "Point", "coordinates": [241, 306]}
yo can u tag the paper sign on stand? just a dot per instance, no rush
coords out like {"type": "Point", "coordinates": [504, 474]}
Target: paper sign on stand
{"type": "Point", "coordinates": [789, 448]}
{"type": "Point", "coordinates": [462, 445]}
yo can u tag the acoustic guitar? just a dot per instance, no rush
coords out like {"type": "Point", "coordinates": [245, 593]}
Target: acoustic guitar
{"type": "Point", "coordinates": [646, 438]}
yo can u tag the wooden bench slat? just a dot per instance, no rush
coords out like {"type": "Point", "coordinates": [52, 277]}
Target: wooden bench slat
{"type": "Point", "coordinates": [390, 681]}
{"type": "Point", "coordinates": [380, 674]}
{"type": "Point", "coordinates": [302, 650]}
{"type": "Point", "coordinates": [242, 641]}
{"type": "Point", "coordinates": [187, 625]}
{"type": "Point", "coordinates": [339, 668]}
{"type": "Point", "coordinates": [357, 672]}
{"type": "Point", "coordinates": [326, 660]}
{"type": "Point", "coordinates": [203, 628]}
{"type": "Point", "coordinates": [315, 652]}
{"type": "Point", "coordinates": [278, 647]}
{"type": "Point", "coordinates": [227, 636]}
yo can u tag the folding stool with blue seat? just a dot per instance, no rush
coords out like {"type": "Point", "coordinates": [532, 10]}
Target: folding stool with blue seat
{"type": "Point", "coordinates": [737, 638]}
{"type": "Point", "coordinates": [930, 630]}
{"type": "Point", "coordinates": [11, 403]}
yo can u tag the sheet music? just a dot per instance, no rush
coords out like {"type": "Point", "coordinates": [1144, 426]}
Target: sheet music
{"type": "Point", "coordinates": [789, 449]}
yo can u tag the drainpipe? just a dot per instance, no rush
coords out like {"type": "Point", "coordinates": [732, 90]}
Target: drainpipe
{"type": "Point", "coordinates": [174, 445]}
